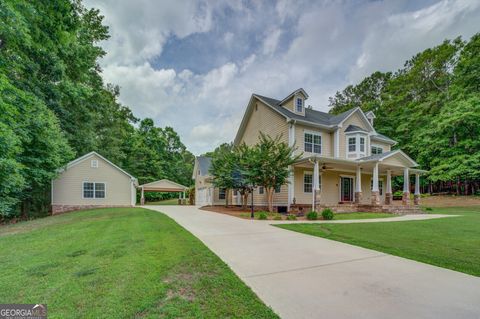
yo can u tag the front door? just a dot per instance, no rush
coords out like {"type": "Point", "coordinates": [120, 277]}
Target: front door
{"type": "Point", "coordinates": [346, 191]}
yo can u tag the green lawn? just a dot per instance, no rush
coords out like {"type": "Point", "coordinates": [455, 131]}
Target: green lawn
{"type": "Point", "coordinates": [173, 201]}
{"type": "Point", "coordinates": [452, 243]}
{"type": "Point", "coordinates": [119, 263]}
{"type": "Point", "coordinates": [346, 216]}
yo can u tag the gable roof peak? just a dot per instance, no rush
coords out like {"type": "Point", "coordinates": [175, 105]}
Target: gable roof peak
{"type": "Point", "coordinates": [300, 90]}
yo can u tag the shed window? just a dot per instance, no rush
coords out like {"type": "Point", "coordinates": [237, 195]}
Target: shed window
{"type": "Point", "coordinates": [93, 190]}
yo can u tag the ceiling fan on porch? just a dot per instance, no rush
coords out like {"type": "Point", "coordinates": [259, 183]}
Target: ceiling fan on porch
{"type": "Point", "coordinates": [324, 167]}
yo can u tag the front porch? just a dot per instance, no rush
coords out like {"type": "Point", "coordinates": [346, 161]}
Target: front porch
{"type": "Point", "coordinates": [353, 185]}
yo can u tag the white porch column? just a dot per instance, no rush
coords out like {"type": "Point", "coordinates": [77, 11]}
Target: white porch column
{"type": "Point", "coordinates": [375, 192]}
{"type": "Point", "coordinates": [316, 185]}
{"type": "Point", "coordinates": [388, 193]}
{"type": "Point", "coordinates": [142, 198]}
{"type": "Point", "coordinates": [291, 186]}
{"type": "Point", "coordinates": [406, 187]}
{"type": "Point", "coordinates": [416, 196]}
{"type": "Point", "coordinates": [358, 186]}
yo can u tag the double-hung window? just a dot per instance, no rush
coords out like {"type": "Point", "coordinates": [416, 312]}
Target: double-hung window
{"type": "Point", "coordinates": [93, 190]}
{"type": "Point", "coordinates": [313, 143]}
{"type": "Point", "coordinates": [221, 193]}
{"type": "Point", "coordinates": [261, 190]}
{"type": "Point", "coordinates": [376, 150]}
{"type": "Point", "coordinates": [362, 144]}
{"type": "Point", "coordinates": [299, 105]}
{"type": "Point", "coordinates": [352, 144]}
{"type": "Point", "coordinates": [278, 189]}
{"type": "Point", "coordinates": [307, 182]}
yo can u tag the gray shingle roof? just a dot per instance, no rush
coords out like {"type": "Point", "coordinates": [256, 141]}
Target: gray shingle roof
{"type": "Point", "coordinates": [383, 137]}
{"type": "Point", "coordinates": [310, 115]}
{"type": "Point", "coordinates": [204, 163]}
{"type": "Point", "coordinates": [375, 157]}
{"type": "Point", "coordinates": [354, 128]}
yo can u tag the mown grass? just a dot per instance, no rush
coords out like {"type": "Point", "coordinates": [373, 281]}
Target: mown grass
{"type": "Point", "coordinates": [452, 243]}
{"type": "Point", "coordinates": [347, 216]}
{"type": "Point", "coordinates": [119, 263]}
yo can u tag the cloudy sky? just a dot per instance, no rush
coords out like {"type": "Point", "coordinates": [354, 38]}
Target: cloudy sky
{"type": "Point", "coordinates": [193, 65]}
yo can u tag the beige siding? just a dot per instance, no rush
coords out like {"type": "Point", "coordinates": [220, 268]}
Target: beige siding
{"type": "Point", "coordinates": [68, 187]}
{"type": "Point", "coordinates": [394, 161]}
{"type": "Point", "coordinates": [386, 147]}
{"type": "Point", "coordinates": [330, 183]}
{"type": "Point", "coordinates": [354, 119]}
{"type": "Point", "coordinates": [327, 139]}
{"type": "Point", "coordinates": [264, 119]}
{"type": "Point", "coordinates": [289, 104]}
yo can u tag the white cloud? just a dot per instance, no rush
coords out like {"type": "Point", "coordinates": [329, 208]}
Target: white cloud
{"type": "Point", "coordinates": [322, 47]}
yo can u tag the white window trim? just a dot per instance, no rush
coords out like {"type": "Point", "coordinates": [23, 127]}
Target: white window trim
{"type": "Point", "coordinates": [353, 177]}
{"type": "Point", "coordinates": [296, 106]}
{"type": "Point", "coordinates": [377, 146]}
{"type": "Point", "coordinates": [315, 133]}
{"type": "Point", "coordinates": [83, 187]}
{"type": "Point", "coordinates": [357, 151]}
{"type": "Point", "coordinates": [303, 181]}
{"type": "Point", "coordinates": [94, 163]}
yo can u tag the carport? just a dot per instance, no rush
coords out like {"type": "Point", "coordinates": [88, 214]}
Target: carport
{"type": "Point", "coordinates": [163, 185]}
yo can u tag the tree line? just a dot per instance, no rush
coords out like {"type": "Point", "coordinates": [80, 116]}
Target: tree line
{"type": "Point", "coordinates": [54, 106]}
{"type": "Point", "coordinates": [431, 106]}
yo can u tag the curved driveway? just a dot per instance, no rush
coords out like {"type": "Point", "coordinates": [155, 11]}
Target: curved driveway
{"type": "Point", "coordinates": [302, 276]}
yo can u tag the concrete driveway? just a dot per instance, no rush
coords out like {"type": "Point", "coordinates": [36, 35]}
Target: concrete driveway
{"type": "Point", "coordinates": [302, 276]}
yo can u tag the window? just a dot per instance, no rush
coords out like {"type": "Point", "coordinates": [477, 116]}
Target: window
{"type": "Point", "coordinates": [380, 186]}
{"type": "Point", "coordinates": [277, 189]}
{"type": "Point", "coordinates": [261, 190]}
{"type": "Point", "coordinates": [221, 193]}
{"type": "Point", "coordinates": [94, 163]}
{"type": "Point", "coordinates": [362, 144]}
{"type": "Point", "coordinates": [352, 142]}
{"type": "Point", "coordinates": [376, 150]}
{"type": "Point", "coordinates": [313, 143]}
{"type": "Point", "coordinates": [307, 182]}
{"type": "Point", "coordinates": [299, 105]}
{"type": "Point", "coordinates": [93, 190]}
{"type": "Point", "coordinates": [88, 190]}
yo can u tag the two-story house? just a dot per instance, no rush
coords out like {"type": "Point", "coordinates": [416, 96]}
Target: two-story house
{"type": "Point", "coordinates": [345, 163]}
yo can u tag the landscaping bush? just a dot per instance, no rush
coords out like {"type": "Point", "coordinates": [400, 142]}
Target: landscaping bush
{"type": "Point", "coordinates": [278, 217]}
{"type": "Point", "coordinates": [262, 216]}
{"type": "Point", "coordinates": [291, 217]}
{"type": "Point", "coordinates": [428, 208]}
{"type": "Point", "coordinates": [312, 215]}
{"type": "Point", "coordinates": [327, 214]}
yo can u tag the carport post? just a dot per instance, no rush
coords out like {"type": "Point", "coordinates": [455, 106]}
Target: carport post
{"type": "Point", "coordinates": [142, 198]}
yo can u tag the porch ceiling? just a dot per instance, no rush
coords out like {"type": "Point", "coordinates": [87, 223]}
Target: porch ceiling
{"type": "Point", "coordinates": [335, 164]}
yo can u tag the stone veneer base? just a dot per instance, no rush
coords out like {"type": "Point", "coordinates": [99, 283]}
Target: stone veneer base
{"type": "Point", "coordinates": [60, 209]}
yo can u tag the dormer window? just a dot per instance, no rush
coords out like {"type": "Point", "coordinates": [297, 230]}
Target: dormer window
{"type": "Point", "coordinates": [299, 104]}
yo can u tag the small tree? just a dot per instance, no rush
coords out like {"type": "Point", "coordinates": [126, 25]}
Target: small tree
{"type": "Point", "coordinates": [267, 164]}
{"type": "Point", "coordinates": [222, 170]}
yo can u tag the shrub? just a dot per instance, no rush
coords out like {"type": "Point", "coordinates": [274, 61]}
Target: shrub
{"type": "Point", "coordinates": [327, 214]}
{"type": "Point", "coordinates": [262, 216]}
{"type": "Point", "coordinates": [291, 217]}
{"type": "Point", "coordinates": [312, 215]}
{"type": "Point", "coordinates": [428, 208]}
{"type": "Point", "coordinates": [278, 217]}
